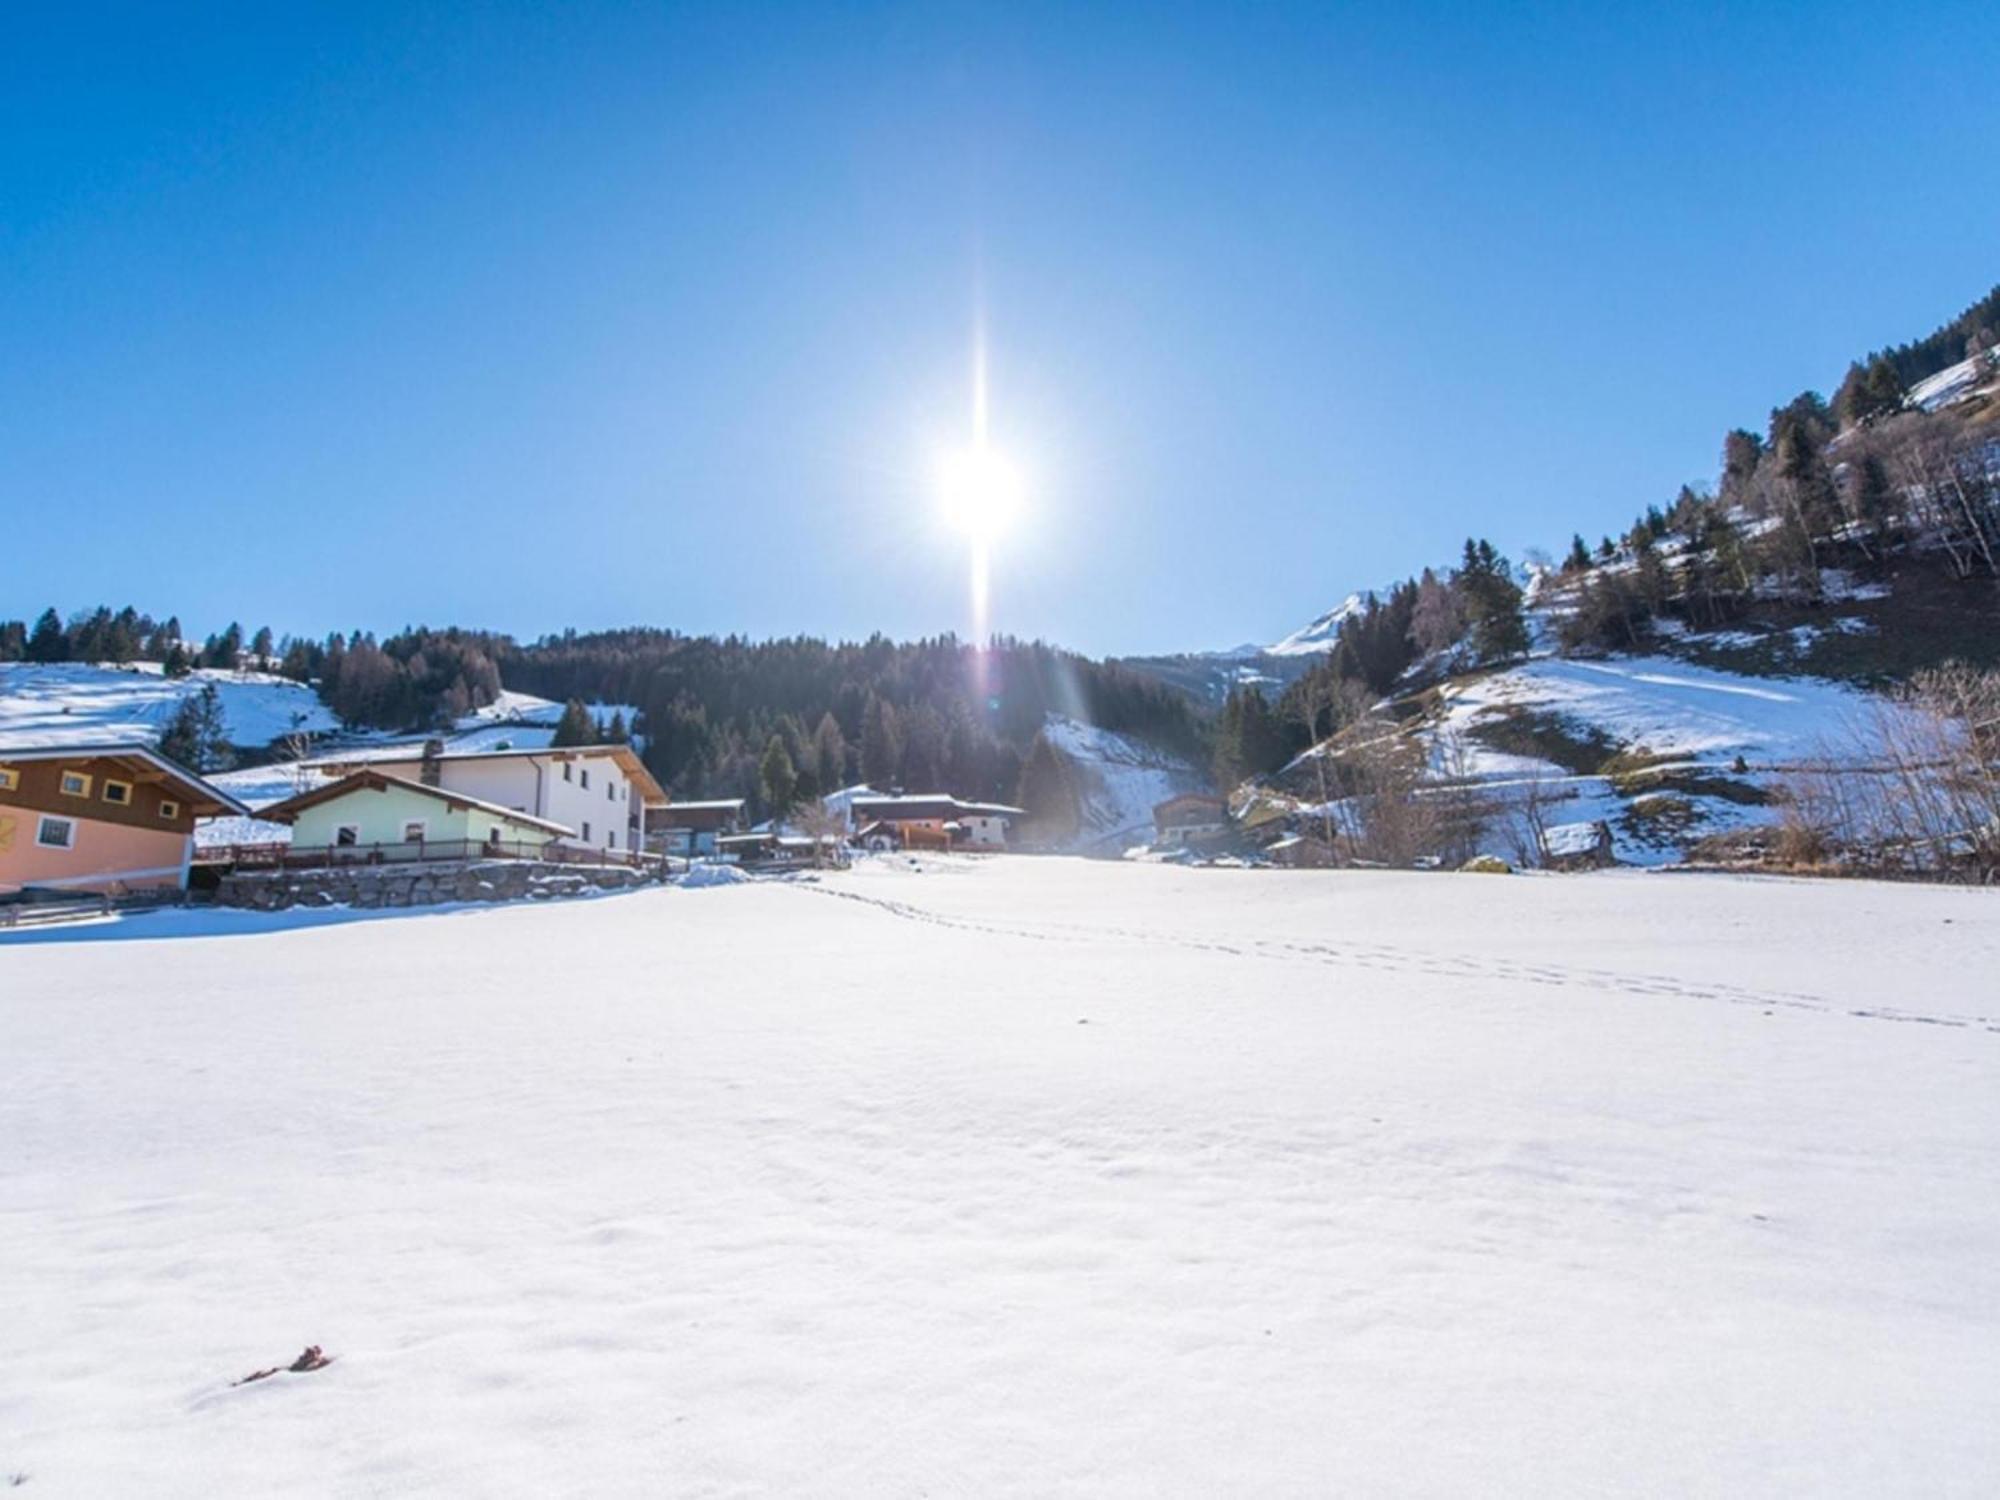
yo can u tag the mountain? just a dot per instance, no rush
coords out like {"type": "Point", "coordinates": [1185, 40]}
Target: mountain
{"type": "Point", "coordinates": [1321, 634]}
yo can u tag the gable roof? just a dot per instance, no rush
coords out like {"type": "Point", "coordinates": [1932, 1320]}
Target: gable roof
{"type": "Point", "coordinates": [648, 790]}
{"type": "Point", "coordinates": [930, 805]}
{"type": "Point", "coordinates": [204, 799]}
{"type": "Point", "coordinates": [378, 781]}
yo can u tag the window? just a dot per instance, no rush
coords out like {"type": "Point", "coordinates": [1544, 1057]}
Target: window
{"type": "Point", "coordinates": [586, 830]}
{"type": "Point", "coordinates": [347, 835]}
{"type": "Point", "coordinates": [169, 809]}
{"type": "Point", "coordinates": [610, 793]}
{"type": "Point", "coordinates": [119, 792]}
{"type": "Point", "coordinates": [75, 784]}
{"type": "Point", "coordinates": [611, 839]}
{"type": "Point", "coordinates": [413, 831]}
{"type": "Point", "coordinates": [583, 779]}
{"type": "Point", "coordinates": [567, 769]}
{"type": "Point", "coordinates": [493, 836]}
{"type": "Point", "coordinates": [56, 833]}
{"type": "Point", "coordinates": [10, 779]}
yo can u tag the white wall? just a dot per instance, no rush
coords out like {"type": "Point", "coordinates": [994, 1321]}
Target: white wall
{"type": "Point", "coordinates": [510, 781]}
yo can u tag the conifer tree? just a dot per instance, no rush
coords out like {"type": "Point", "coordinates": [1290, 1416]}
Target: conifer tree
{"type": "Point", "coordinates": [198, 736]}
{"type": "Point", "coordinates": [574, 727]}
{"type": "Point", "coordinates": [777, 777]}
{"type": "Point", "coordinates": [881, 744]}
{"type": "Point", "coordinates": [1047, 793]}
{"type": "Point", "coordinates": [47, 641]}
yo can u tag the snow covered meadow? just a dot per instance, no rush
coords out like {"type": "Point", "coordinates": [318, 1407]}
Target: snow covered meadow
{"type": "Point", "coordinates": [1020, 1177]}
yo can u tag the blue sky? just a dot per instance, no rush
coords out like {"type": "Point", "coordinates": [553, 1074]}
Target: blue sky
{"type": "Point", "coordinates": [532, 317]}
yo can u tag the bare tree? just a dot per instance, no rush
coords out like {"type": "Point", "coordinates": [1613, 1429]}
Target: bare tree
{"type": "Point", "coordinates": [1912, 788]}
{"type": "Point", "coordinates": [825, 827]}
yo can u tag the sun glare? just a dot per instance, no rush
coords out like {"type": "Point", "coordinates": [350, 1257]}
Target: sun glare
{"type": "Point", "coordinates": [981, 493]}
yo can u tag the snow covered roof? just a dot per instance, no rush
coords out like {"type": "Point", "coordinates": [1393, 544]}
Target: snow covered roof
{"type": "Point", "coordinates": [931, 804]}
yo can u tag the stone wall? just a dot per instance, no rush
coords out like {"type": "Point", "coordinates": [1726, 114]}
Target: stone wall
{"type": "Point", "coordinates": [421, 885]}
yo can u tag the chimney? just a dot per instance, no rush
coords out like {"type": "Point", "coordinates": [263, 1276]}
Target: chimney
{"type": "Point", "coordinates": [433, 767]}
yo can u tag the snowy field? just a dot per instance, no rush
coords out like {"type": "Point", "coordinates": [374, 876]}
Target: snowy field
{"type": "Point", "coordinates": [73, 703]}
{"type": "Point", "coordinates": [1018, 1178]}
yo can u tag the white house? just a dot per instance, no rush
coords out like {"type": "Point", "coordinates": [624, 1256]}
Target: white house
{"type": "Point", "coordinates": [600, 793]}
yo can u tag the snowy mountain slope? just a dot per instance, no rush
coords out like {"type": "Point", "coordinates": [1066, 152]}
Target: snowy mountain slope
{"type": "Point", "coordinates": [1666, 707]}
{"type": "Point", "coordinates": [1119, 781]}
{"type": "Point", "coordinates": [1319, 635]}
{"type": "Point", "coordinates": [73, 703]}
{"type": "Point", "coordinates": [1951, 384]}
{"type": "Point", "coordinates": [1058, 1177]}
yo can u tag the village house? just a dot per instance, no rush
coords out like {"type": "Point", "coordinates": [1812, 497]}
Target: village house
{"type": "Point", "coordinates": [600, 795]}
{"type": "Point", "coordinates": [930, 822]}
{"type": "Point", "coordinates": [1191, 818]}
{"type": "Point", "coordinates": [104, 818]}
{"type": "Point", "coordinates": [691, 829]}
{"type": "Point", "coordinates": [373, 817]}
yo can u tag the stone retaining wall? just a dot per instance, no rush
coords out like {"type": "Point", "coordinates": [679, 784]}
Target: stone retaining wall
{"type": "Point", "coordinates": [421, 885]}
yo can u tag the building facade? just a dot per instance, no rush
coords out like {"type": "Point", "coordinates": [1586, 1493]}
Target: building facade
{"type": "Point", "coordinates": [599, 794]}
{"type": "Point", "coordinates": [383, 818]}
{"type": "Point", "coordinates": [105, 818]}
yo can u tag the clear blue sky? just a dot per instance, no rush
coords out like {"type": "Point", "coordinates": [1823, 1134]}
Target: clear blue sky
{"type": "Point", "coordinates": [530, 317]}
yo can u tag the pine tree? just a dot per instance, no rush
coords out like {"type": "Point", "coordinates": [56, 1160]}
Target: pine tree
{"type": "Point", "coordinates": [829, 754]}
{"type": "Point", "coordinates": [178, 663]}
{"type": "Point", "coordinates": [1578, 560]}
{"type": "Point", "coordinates": [47, 641]}
{"type": "Point", "coordinates": [574, 727]}
{"type": "Point", "coordinates": [1047, 792]}
{"type": "Point", "coordinates": [198, 736]}
{"type": "Point", "coordinates": [616, 732]}
{"type": "Point", "coordinates": [881, 744]}
{"type": "Point", "coordinates": [777, 777]}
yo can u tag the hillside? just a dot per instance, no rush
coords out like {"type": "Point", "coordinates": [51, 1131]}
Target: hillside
{"type": "Point", "coordinates": [81, 703]}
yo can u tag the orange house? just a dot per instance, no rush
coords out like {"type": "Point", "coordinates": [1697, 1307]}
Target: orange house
{"type": "Point", "coordinates": [99, 818]}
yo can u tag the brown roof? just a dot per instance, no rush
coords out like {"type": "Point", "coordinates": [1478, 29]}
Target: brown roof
{"type": "Point", "coordinates": [377, 781]}
{"type": "Point", "coordinates": [202, 799]}
{"type": "Point", "coordinates": [650, 792]}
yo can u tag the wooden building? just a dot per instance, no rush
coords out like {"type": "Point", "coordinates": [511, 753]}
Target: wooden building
{"type": "Point", "coordinates": [107, 818]}
{"type": "Point", "coordinates": [692, 829]}
{"type": "Point", "coordinates": [1191, 818]}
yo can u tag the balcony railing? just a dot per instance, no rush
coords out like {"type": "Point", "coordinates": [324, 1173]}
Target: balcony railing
{"type": "Point", "coordinates": [276, 856]}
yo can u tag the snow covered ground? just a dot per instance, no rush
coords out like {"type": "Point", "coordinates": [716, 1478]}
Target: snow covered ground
{"type": "Point", "coordinates": [1091, 1179]}
{"type": "Point", "coordinates": [1670, 707]}
{"type": "Point", "coordinates": [73, 703]}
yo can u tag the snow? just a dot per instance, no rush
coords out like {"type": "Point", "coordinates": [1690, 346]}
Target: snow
{"type": "Point", "coordinates": [1322, 634]}
{"type": "Point", "coordinates": [1120, 781]}
{"type": "Point", "coordinates": [73, 703]}
{"type": "Point", "coordinates": [1671, 707]}
{"type": "Point", "coordinates": [1568, 839]}
{"type": "Point", "coordinates": [1952, 384]}
{"type": "Point", "coordinates": [1014, 1177]}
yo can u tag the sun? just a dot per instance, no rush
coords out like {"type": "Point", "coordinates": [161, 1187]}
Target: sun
{"type": "Point", "coordinates": [981, 492]}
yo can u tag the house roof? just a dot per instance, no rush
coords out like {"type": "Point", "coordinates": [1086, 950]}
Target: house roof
{"type": "Point", "coordinates": [934, 804]}
{"type": "Point", "coordinates": [204, 799]}
{"type": "Point", "coordinates": [649, 791]}
{"type": "Point", "coordinates": [367, 780]}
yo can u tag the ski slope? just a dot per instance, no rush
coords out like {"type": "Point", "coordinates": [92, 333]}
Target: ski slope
{"type": "Point", "coordinates": [73, 703]}
{"type": "Point", "coordinates": [1014, 1177]}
